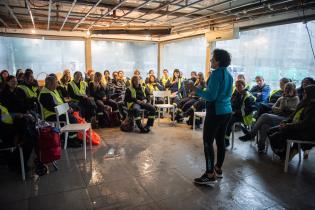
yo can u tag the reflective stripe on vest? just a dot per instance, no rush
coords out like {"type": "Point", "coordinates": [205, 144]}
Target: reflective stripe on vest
{"type": "Point", "coordinates": [152, 88]}
{"type": "Point", "coordinates": [134, 95]}
{"type": "Point", "coordinates": [164, 80]}
{"type": "Point", "coordinates": [30, 93]}
{"type": "Point", "coordinates": [273, 92]}
{"type": "Point", "coordinates": [5, 115]}
{"type": "Point", "coordinates": [248, 119]}
{"type": "Point", "coordinates": [57, 100]}
{"type": "Point", "coordinates": [76, 90]}
{"type": "Point", "coordinates": [297, 115]}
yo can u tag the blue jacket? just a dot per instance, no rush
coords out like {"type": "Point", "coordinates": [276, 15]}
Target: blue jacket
{"type": "Point", "coordinates": [261, 93]}
{"type": "Point", "coordinates": [219, 91]}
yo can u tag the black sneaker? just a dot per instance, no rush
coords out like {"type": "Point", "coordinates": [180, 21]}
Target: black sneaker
{"type": "Point", "coordinates": [205, 180]}
{"type": "Point", "coordinates": [218, 172]}
{"type": "Point", "coordinates": [247, 137]}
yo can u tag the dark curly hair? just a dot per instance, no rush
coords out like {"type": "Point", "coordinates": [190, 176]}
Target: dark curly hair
{"type": "Point", "coordinates": [223, 57]}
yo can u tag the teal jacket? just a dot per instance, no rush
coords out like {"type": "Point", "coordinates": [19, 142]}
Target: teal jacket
{"type": "Point", "coordinates": [219, 91]}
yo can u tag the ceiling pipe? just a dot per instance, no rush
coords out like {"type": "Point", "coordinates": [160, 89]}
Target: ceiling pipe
{"type": "Point", "coordinates": [240, 7]}
{"type": "Point", "coordinates": [107, 13]}
{"type": "Point", "coordinates": [87, 14]}
{"type": "Point", "coordinates": [172, 12]}
{"type": "Point", "coordinates": [12, 14]}
{"type": "Point", "coordinates": [30, 12]}
{"type": "Point", "coordinates": [68, 14]}
{"type": "Point", "coordinates": [130, 11]}
{"type": "Point", "coordinates": [49, 12]}
{"type": "Point", "coordinates": [154, 10]}
{"type": "Point", "coordinates": [4, 23]}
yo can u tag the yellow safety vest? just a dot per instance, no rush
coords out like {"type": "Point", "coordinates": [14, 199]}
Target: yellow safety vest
{"type": "Point", "coordinates": [152, 87]}
{"type": "Point", "coordinates": [56, 97]}
{"type": "Point", "coordinates": [29, 92]}
{"type": "Point", "coordinates": [297, 115]}
{"type": "Point", "coordinates": [248, 119]}
{"type": "Point", "coordinates": [5, 115]}
{"type": "Point", "coordinates": [164, 80]}
{"type": "Point", "coordinates": [134, 95]}
{"type": "Point", "coordinates": [76, 90]}
{"type": "Point", "coordinates": [272, 93]}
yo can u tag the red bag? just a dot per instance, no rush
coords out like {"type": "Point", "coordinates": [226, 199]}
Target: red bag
{"type": "Point", "coordinates": [96, 139]}
{"type": "Point", "coordinates": [48, 146]}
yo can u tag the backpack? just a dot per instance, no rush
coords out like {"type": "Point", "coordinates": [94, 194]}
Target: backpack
{"type": "Point", "coordinates": [127, 125]}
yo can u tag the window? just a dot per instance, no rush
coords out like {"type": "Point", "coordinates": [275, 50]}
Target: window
{"type": "Point", "coordinates": [123, 55]}
{"type": "Point", "coordinates": [273, 52]}
{"type": "Point", "coordinates": [186, 55]}
{"type": "Point", "coordinates": [43, 56]}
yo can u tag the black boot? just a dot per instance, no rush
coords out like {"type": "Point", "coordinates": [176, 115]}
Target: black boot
{"type": "Point", "coordinates": [142, 129]}
{"type": "Point", "coordinates": [150, 123]}
{"type": "Point", "coordinates": [247, 137]}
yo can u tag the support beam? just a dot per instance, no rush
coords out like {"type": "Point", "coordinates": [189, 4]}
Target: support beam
{"type": "Point", "coordinates": [88, 54]}
{"type": "Point", "coordinates": [130, 11]}
{"type": "Point", "coordinates": [176, 10]}
{"type": "Point", "coordinates": [107, 13]}
{"type": "Point", "coordinates": [12, 13]}
{"type": "Point", "coordinates": [49, 12]}
{"type": "Point", "coordinates": [68, 14]}
{"type": "Point", "coordinates": [4, 23]}
{"type": "Point", "coordinates": [87, 14]}
{"type": "Point", "coordinates": [159, 60]}
{"type": "Point", "coordinates": [156, 9]}
{"type": "Point", "coordinates": [30, 12]}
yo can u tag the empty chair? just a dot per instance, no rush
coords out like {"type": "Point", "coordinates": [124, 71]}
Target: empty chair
{"type": "Point", "coordinates": [63, 109]}
{"type": "Point", "coordinates": [161, 107]}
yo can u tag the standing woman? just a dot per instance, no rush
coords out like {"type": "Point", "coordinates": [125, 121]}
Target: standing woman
{"type": "Point", "coordinates": [218, 105]}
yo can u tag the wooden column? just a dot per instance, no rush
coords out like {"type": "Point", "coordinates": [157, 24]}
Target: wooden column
{"type": "Point", "coordinates": [210, 47]}
{"type": "Point", "coordinates": [159, 59]}
{"type": "Point", "coordinates": [88, 56]}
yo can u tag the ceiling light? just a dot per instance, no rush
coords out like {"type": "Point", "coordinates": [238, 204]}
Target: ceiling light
{"type": "Point", "coordinates": [33, 31]}
{"type": "Point", "coordinates": [88, 33]}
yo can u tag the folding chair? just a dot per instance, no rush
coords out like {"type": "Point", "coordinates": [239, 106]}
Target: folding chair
{"type": "Point", "coordinates": [168, 105]}
{"type": "Point", "coordinates": [63, 109]}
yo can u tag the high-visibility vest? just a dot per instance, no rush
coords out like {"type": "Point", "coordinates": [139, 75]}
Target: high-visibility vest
{"type": "Point", "coordinates": [134, 95]}
{"type": "Point", "coordinates": [152, 87]}
{"type": "Point", "coordinates": [297, 115]}
{"type": "Point", "coordinates": [273, 92]}
{"type": "Point", "coordinates": [164, 80]}
{"type": "Point", "coordinates": [56, 97]}
{"type": "Point", "coordinates": [29, 92]}
{"type": "Point", "coordinates": [5, 115]}
{"type": "Point", "coordinates": [78, 91]}
{"type": "Point", "coordinates": [248, 119]}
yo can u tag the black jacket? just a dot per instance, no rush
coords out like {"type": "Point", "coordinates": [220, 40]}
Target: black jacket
{"type": "Point", "coordinates": [237, 102]}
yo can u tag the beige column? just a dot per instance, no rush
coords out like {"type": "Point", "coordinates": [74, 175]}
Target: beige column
{"type": "Point", "coordinates": [159, 59]}
{"type": "Point", "coordinates": [210, 47]}
{"type": "Point", "coordinates": [88, 56]}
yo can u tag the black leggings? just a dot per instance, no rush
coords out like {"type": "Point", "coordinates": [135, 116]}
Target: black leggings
{"type": "Point", "coordinates": [214, 128]}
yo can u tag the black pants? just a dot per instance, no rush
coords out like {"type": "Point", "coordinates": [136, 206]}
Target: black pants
{"type": "Point", "coordinates": [214, 128]}
{"type": "Point", "coordinates": [278, 140]}
{"type": "Point", "coordinates": [87, 108]}
{"type": "Point", "coordinates": [148, 107]}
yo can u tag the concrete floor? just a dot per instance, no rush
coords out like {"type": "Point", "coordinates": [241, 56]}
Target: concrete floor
{"type": "Point", "coordinates": [155, 171]}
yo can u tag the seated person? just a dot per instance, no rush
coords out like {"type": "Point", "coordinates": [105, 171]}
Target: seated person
{"type": "Point", "coordinates": [63, 84]}
{"type": "Point", "coordinates": [165, 79]}
{"type": "Point", "coordinates": [78, 91]}
{"type": "Point", "coordinates": [185, 103]}
{"type": "Point", "coordinates": [243, 105]}
{"type": "Point", "coordinates": [107, 78]}
{"type": "Point", "coordinates": [136, 99]}
{"type": "Point", "coordinates": [175, 86]}
{"type": "Point", "coordinates": [3, 78]}
{"type": "Point", "coordinates": [305, 82]}
{"type": "Point", "coordinates": [100, 93]}
{"type": "Point", "coordinates": [299, 126]}
{"type": "Point", "coordinates": [28, 91]}
{"type": "Point", "coordinates": [138, 74]}
{"type": "Point", "coordinates": [193, 76]}
{"type": "Point", "coordinates": [261, 91]}
{"type": "Point", "coordinates": [274, 96]}
{"type": "Point", "coordinates": [152, 85]}
{"type": "Point", "coordinates": [241, 77]}
{"type": "Point", "coordinates": [151, 72]}
{"type": "Point", "coordinates": [281, 110]}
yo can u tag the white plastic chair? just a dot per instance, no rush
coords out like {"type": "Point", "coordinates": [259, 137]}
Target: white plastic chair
{"type": "Point", "coordinates": [201, 115]}
{"type": "Point", "coordinates": [63, 109]}
{"type": "Point", "coordinates": [289, 143]}
{"type": "Point", "coordinates": [21, 158]}
{"type": "Point", "coordinates": [161, 107]}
